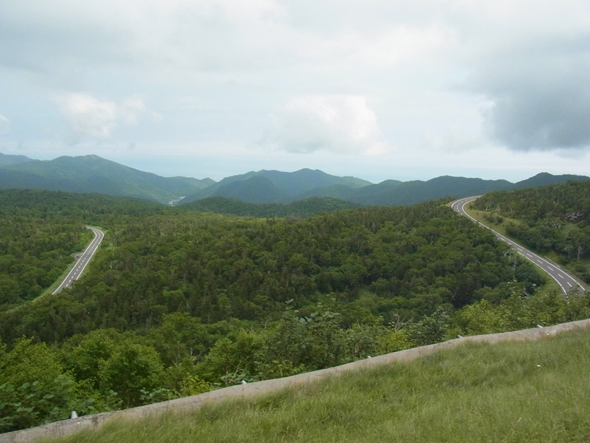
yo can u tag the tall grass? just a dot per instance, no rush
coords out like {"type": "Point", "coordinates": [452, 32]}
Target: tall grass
{"type": "Point", "coordinates": [509, 392]}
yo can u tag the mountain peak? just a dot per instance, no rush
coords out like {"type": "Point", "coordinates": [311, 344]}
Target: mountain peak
{"type": "Point", "coordinates": [94, 174]}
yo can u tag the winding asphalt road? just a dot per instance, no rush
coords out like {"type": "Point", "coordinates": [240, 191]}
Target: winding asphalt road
{"type": "Point", "coordinates": [566, 281]}
{"type": "Point", "coordinates": [83, 260]}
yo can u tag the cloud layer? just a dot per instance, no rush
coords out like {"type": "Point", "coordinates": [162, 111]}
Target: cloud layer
{"type": "Point", "coordinates": [345, 79]}
{"type": "Point", "coordinates": [539, 100]}
{"type": "Point", "coordinates": [4, 125]}
{"type": "Point", "coordinates": [339, 124]}
{"type": "Point", "coordinates": [90, 117]}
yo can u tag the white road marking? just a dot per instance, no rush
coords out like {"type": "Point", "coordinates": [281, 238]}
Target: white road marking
{"type": "Point", "coordinates": [460, 208]}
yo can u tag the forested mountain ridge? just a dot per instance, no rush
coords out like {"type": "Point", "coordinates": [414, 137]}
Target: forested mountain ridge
{"type": "Point", "coordinates": [263, 187]}
{"type": "Point", "coordinates": [6, 160]}
{"type": "Point", "coordinates": [177, 302]}
{"type": "Point", "coordinates": [276, 186]}
{"type": "Point", "coordinates": [545, 179]}
{"type": "Point", "coordinates": [93, 174]}
{"type": "Point", "coordinates": [417, 191]}
{"type": "Point", "coordinates": [551, 219]}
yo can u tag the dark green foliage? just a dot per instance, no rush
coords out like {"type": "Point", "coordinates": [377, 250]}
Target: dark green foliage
{"type": "Point", "coordinates": [36, 389]}
{"type": "Point", "coordinates": [39, 231]}
{"type": "Point", "coordinates": [178, 301]}
{"type": "Point", "coordinates": [518, 312]}
{"type": "Point", "coordinates": [431, 329]}
{"type": "Point", "coordinates": [217, 268]}
{"type": "Point", "coordinates": [299, 208]}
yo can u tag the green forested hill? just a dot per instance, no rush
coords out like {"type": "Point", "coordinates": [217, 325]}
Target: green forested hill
{"type": "Point", "coordinates": [277, 186]}
{"type": "Point", "coordinates": [6, 160]}
{"type": "Point", "coordinates": [393, 193]}
{"type": "Point", "coordinates": [281, 187]}
{"type": "Point", "coordinates": [178, 302]}
{"type": "Point", "coordinates": [299, 208]}
{"type": "Point", "coordinates": [94, 174]}
{"type": "Point", "coordinates": [546, 179]}
{"type": "Point", "coordinates": [256, 189]}
{"type": "Point", "coordinates": [217, 268]}
{"type": "Point", "coordinates": [39, 230]}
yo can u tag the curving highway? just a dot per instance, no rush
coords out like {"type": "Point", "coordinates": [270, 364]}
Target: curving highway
{"type": "Point", "coordinates": [83, 260]}
{"type": "Point", "coordinates": [566, 281]}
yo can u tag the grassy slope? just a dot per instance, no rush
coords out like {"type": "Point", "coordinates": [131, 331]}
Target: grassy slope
{"type": "Point", "coordinates": [507, 392]}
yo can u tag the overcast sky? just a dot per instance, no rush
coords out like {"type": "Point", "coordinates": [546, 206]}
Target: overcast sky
{"type": "Point", "coordinates": [378, 89]}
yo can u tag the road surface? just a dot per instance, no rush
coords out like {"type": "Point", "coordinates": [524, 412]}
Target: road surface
{"type": "Point", "coordinates": [83, 260]}
{"type": "Point", "coordinates": [566, 281]}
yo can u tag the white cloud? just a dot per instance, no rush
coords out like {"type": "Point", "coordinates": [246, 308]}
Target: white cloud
{"type": "Point", "coordinates": [213, 70]}
{"type": "Point", "coordinates": [88, 116]}
{"type": "Point", "coordinates": [342, 124]}
{"type": "Point", "coordinates": [4, 125]}
{"type": "Point", "coordinates": [382, 48]}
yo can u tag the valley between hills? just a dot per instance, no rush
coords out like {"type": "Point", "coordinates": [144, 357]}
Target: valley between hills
{"type": "Point", "coordinates": [184, 299]}
{"type": "Point", "coordinates": [93, 174]}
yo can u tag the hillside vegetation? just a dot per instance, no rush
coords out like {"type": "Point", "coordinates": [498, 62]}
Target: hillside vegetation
{"type": "Point", "coordinates": [93, 174]}
{"type": "Point", "coordinates": [284, 187]}
{"type": "Point", "coordinates": [178, 302]}
{"type": "Point", "coordinates": [300, 208]}
{"type": "Point", "coordinates": [506, 392]}
{"type": "Point", "coordinates": [550, 219]}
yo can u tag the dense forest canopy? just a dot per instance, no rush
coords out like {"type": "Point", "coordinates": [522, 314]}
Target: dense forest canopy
{"type": "Point", "coordinates": [411, 260]}
{"type": "Point", "coordinates": [177, 301]}
{"type": "Point", "coordinates": [300, 208]}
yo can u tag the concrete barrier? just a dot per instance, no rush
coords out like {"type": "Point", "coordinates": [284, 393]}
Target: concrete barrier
{"type": "Point", "coordinates": [64, 427]}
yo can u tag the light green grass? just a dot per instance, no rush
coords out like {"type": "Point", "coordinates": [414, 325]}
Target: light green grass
{"type": "Point", "coordinates": [509, 392]}
{"type": "Point", "coordinates": [498, 227]}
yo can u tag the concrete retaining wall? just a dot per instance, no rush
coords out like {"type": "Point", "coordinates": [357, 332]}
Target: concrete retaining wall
{"type": "Point", "coordinates": [62, 428]}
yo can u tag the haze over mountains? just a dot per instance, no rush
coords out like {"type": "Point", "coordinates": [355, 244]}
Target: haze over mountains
{"type": "Point", "coordinates": [93, 174]}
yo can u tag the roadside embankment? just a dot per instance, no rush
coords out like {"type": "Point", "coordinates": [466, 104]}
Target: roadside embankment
{"type": "Point", "coordinates": [62, 428]}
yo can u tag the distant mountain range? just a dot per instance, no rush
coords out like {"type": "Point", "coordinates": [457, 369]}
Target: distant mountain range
{"type": "Point", "coordinates": [93, 174]}
{"type": "Point", "coordinates": [277, 187]}
{"type": "Point", "coordinates": [287, 187]}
